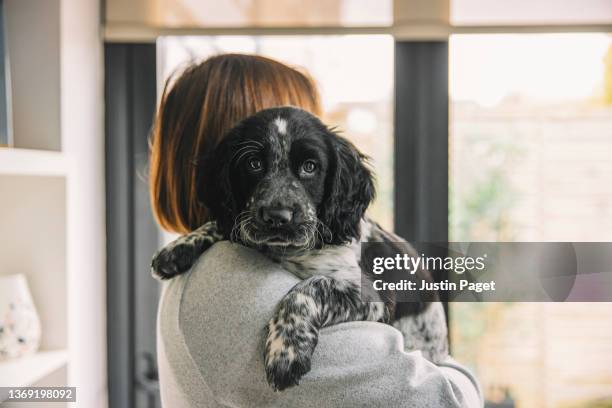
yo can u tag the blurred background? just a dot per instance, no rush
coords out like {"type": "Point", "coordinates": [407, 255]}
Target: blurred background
{"type": "Point", "coordinates": [486, 120]}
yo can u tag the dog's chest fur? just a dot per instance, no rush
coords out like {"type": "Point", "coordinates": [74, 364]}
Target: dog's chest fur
{"type": "Point", "coordinates": [337, 261]}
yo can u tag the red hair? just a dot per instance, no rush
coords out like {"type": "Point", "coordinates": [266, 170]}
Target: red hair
{"type": "Point", "coordinates": [197, 110]}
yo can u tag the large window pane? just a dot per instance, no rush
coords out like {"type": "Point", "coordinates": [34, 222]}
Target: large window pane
{"type": "Point", "coordinates": [354, 75]}
{"type": "Point", "coordinates": [517, 12]}
{"type": "Point", "coordinates": [531, 160]}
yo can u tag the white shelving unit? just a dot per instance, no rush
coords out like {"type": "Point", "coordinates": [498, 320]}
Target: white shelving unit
{"type": "Point", "coordinates": [29, 370]}
{"type": "Point", "coordinates": [52, 193]}
{"type": "Point", "coordinates": [28, 162]}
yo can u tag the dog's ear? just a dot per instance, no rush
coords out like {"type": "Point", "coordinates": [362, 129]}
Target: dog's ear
{"type": "Point", "coordinates": [349, 191]}
{"type": "Point", "coordinates": [215, 187]}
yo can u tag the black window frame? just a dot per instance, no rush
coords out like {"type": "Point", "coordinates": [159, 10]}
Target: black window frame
{"type": "Point", "coordinates": [132, 235]}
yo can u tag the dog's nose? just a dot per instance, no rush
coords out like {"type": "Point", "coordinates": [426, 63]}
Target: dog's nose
{"type": "Point", "coordinates": [276, 217]}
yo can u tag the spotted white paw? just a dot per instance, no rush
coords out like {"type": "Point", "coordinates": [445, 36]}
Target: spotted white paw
{"type": "Point", "coordinates": [289, 346]}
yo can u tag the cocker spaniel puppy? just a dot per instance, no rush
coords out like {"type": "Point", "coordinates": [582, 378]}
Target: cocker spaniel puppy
{"type": "Point", "coordinates": [285, 184]}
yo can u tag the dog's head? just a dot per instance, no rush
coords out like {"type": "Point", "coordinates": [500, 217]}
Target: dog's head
{"type": "Point", "coordinates": [282, 181]}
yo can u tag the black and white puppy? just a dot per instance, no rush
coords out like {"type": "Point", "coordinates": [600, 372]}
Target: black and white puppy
{"type": "Point", "coordinates": [285, 184]}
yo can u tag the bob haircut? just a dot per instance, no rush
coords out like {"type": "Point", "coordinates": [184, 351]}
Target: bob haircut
{"type": "Point", "coordinates": [197, 109]}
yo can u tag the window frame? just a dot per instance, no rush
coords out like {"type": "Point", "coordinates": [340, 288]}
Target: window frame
{"type": "Point", "coordinates": [421, 141]}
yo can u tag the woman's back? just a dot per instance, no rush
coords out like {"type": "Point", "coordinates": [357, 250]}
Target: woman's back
{"type": "Point", "coordinates": [210, 347]}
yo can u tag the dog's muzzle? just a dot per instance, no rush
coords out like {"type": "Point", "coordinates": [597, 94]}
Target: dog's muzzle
{"type": "Point", "coordinates": [275, 217]}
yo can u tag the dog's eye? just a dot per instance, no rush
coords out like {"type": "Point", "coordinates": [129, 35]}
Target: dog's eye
{"type": "Point", "coordinates": [309, 166]}
{"type": "Point", "coordinates": [254, 164]}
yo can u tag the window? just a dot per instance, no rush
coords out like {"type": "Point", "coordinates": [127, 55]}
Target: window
{"type": "Point", "coordinates": [364, 113]}
{"type": "Point", "coordinates": [517, 12]}
{"type": "Point", "coordinates": [531, 160]}
{"type": "Point", "coordinates": [530, 150]}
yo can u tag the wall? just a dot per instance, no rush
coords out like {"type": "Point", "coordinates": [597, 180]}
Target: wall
{"type": "Point", "coordinates": [83, 143]}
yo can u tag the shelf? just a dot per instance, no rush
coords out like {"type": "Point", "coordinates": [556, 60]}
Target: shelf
{"type": "Point", "coordinates": [28, 162]}
{"type": "Point", "coordinates": [26, 371]}
{"type": "Point", "coordinates": [33, 35]}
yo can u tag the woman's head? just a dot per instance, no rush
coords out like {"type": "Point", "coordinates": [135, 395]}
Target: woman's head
{"type": "Point", "coordinates": [197, 109]}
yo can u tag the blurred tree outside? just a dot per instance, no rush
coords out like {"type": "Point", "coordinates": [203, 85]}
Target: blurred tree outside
{"type": "Point", "coordinates": [481, 212]}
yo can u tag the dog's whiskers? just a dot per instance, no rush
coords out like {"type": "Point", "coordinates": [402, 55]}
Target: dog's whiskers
{"type": "Point", "coordinates": [242, 152]}
{"type": "Point", "coordinates": [248, 152]}
{"type": "Point", "coordinates": [324, 231]}
{"type": "Point", "coordinates": [249, 142]}
{"type": "Point", "coordinates": [239, 222]}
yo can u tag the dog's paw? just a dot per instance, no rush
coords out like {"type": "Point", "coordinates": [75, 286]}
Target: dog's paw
{"type": "Point", "coordinates": [285, 371]}
{"type": "Point", "coordinates": [174, 259]}
{"type": "Point", "coordinates": [288, 353]}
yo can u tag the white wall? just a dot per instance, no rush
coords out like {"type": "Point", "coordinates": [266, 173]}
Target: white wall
{"type": "Point", "coordinates": [83, 143]}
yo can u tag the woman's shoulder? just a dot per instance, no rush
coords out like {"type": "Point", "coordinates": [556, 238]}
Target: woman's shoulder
{"type": "Point", "coordinates": [229, 280]}
{"type": "Point", "coordinates": [225, 254]}
{"type": "Point", "coordinates": [233, 268]}
{"type": "Point", "coordinates": [215, 313]}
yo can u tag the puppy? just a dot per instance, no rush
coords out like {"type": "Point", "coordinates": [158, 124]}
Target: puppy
{"type": "Point", "coordinates": [285, 184]}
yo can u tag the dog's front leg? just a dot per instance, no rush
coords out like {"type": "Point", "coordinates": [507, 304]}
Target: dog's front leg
{"type": "Point", "coordinates": [179, 256]}
{"type": "Point", "coordinates": [292, 334]}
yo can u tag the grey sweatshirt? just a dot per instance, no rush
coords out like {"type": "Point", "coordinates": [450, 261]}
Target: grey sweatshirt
{"type": "Point", "coordinates": [210, 324]}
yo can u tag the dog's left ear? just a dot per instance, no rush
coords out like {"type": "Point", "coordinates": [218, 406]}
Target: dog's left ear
{"type": "Point", "coordinates": [215, 189]}
{"type": "Point", "coordinates": [349, 191]}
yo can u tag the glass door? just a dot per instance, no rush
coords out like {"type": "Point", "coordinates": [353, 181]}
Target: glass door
{"type": "Point", "coordinates": [531, 160]}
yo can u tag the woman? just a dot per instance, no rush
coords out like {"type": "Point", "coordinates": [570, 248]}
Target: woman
{"type": "Point", "coordinates": [210, 320]}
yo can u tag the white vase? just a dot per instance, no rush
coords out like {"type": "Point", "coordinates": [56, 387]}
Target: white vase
{"type": "Point", "coordinates": [19, 322]}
